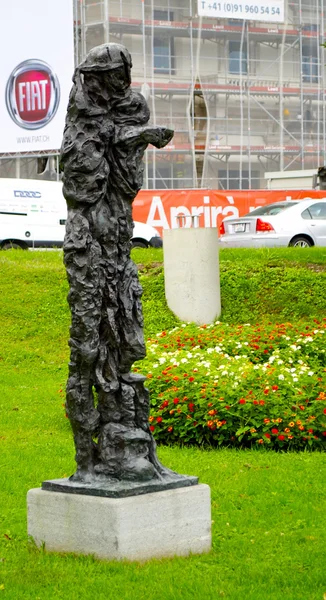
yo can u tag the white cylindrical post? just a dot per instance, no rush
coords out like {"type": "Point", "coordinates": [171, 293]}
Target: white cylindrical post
{"type": "Point", "coordinates": [191, 271]}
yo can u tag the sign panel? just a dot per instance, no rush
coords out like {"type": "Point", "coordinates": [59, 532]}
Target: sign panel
{"type": "Point", "coordinates": [271, 11]}
{"type": "Point", "coordinates": [37, 49]}
{"type": "Point", "coordinates": [162, 209]}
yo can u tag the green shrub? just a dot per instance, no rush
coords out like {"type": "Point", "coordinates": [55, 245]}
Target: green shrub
{"type": "Point", "coordinates": [239, 385]}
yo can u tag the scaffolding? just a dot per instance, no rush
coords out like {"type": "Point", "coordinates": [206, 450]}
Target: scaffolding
{"type": "Point", "coordinates": [243, 97]}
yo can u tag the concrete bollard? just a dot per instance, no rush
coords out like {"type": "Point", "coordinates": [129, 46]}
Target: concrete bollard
{"type": "Point", "coordinates": [191, 271]}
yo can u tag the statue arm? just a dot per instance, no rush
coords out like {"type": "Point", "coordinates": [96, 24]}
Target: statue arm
{"type": "Point", "coordinates": [157, 136]}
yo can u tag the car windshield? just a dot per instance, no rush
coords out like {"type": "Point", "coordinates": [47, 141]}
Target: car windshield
{"type": "Point", "coordinates": [270, 209]}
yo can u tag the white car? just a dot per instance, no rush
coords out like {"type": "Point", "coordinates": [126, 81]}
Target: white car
{"type": "Point", "coordinates": [290, 223]}
{"type": "Point", "coordinates": [145, 236]}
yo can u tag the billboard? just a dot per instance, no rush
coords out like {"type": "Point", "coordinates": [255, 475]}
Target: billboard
{"type": "Point", "coordinates": [36, 67]}
{"type": "Point", "coordinates": [169, 209]}
{"type": "Point", "coordinates": [271, 11]}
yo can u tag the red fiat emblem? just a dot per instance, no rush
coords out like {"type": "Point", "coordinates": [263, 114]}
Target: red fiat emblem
{"type": "Point", "coordinates": [32, 94]}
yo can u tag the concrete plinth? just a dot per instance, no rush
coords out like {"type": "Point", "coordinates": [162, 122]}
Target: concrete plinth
{"type": "Point", "coordinates": [191, 273]}
{"type": "Point", "coordinates": [162, 524]}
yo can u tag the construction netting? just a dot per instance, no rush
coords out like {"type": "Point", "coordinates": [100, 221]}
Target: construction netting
{"type": "Point", "coordinates": [243, 95]}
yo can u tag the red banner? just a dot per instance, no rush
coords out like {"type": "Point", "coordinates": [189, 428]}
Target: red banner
{"type": "Point", "coordinates": [166, 209]}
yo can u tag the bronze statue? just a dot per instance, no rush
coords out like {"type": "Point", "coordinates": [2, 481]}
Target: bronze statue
{"type": "Point", "coordinates": [105, 137]}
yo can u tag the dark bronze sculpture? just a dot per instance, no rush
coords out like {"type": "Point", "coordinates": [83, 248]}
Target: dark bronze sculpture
{"type": "Point", "coordinates": [105, 137]}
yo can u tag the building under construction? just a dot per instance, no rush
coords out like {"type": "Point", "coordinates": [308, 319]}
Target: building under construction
{"type": "Point", "coordinates": [243, 96]}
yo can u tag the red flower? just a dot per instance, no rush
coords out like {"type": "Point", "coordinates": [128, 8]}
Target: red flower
{"type": "Point", "coordinates": [170, 429]}
{"type": "Point", "coordinates": [191, 407]}
{"type": "Point", "coordinates": [302, 407]}
{"type": "Point", "coordinates": [266, 391]}
{"type": "Point", "coordinates": [274, 387]}
{"type": "Point", "coordinates": [152, 428]}
{"type": "Point", "coordinates": [256, 402]}
{"type": "Point", "coordinates": [324, 411]}
{"type": "Point", "coordinates": [275, 431]}
{"type": "Point", "coordinates": [175, 378]}
{"type": "Point", "coordinates": [227, 408]}
{"type": "Point", "coordinates": [191, 379]}
{"type": "Point", "coordinates": [310, 430]}
{"type": "Point", "coordinates": [261, 402]}
{"type": "Point", "coordinates": [159, 420]}
{"type": "Point", "coordinates": [176, 401]}
{"type": "Point", "coordinates": [165, 404]}
{"type": "Point", "coordinates": [242, 401]}
{"type": "Point", "coordinates": [324, 433]}
{"type": "Point", "coordinates": [281, 438]}
{"type": "Point", "coordinates": [267, 435]}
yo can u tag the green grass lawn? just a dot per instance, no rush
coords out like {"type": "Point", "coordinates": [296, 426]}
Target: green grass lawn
{"type": "Point", "coordinates": [268, 509]}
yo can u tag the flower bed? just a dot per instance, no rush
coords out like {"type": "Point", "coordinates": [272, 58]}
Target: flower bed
{"type": "Point", "coordinates": [239, 385]}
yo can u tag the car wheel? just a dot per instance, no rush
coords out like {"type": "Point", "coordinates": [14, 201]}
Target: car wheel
{"type": "Point", "coordinates": [12, 246]}
{"type": "Point", "coordinates": [138, 244]}
{"type": "Point", "coordinates": [300, 241]}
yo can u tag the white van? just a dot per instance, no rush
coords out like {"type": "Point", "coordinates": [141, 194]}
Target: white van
{"type": "Point", "coordinates": [33, 215]}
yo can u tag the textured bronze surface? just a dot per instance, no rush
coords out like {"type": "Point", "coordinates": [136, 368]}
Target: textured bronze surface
{"type": "Point", "coordinates": [105, 137]}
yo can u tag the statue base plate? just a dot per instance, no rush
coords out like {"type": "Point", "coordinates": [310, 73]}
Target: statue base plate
{"type": "Point", "coordinates": [113, 488]}
{"type": "Point", "coordinates": [175, 522]}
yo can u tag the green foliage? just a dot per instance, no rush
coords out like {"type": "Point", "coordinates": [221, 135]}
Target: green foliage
{"type": "Point", "coordinates": [156, 313]}
{"type": "Point", "coordinates": [267, 508]}
{"type": "Point", "coordinates": [278, 284]}
{"type": "Point", "coordinates": [239, 385]}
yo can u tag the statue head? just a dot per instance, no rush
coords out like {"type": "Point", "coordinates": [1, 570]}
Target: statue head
{"type": "Point", "coordinates": [108, 61]}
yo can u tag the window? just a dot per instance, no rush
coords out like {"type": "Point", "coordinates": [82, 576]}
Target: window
{"type": "Point", "coordinates": [270, 209]}
{"type": "Point", "coordinates": [310, 56]}
{"type": "Point", "coordinates": [315, 211]}
{"type": "Point", "coordinates": [238, 58]}
{"type": "Point", "coordinates": [230, 180]}
{"type": "Point", "coordinates": [163, 46]}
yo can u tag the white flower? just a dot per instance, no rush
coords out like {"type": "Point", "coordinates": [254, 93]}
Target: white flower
{"type": "Point", "coordinates": [183, 361]}
{"type": "Point", "coordinates": [281, 377]}
{"type": "Point", "coordinates": [224, 372]}
{"type": "Point", "coordinates": [310, 373]}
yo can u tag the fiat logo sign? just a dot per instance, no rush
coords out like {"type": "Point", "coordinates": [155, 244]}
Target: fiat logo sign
{"type": "Point", "coordinates": [32, 94]}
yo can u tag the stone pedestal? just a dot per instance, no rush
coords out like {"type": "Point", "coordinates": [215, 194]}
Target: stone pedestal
{"type": "Point", "coordinates": [170, 523]}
